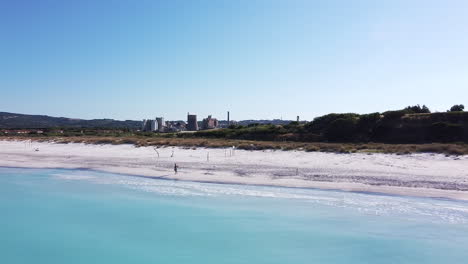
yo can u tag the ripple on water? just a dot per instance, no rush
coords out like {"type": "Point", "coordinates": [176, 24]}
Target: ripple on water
{"type": "Point", "coordinates": [432, 209]}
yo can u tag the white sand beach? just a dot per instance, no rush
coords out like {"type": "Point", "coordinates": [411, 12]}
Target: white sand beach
{"type": "Point", "coordinates": [426, 175]}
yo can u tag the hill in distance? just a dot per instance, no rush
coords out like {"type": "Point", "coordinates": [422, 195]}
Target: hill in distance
{"type": "Point", "coordinates": [12, 121]}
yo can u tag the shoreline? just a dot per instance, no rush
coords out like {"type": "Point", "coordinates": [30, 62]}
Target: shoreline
{"type": "Point", "coordinates": [419, 175]}
{"type": "Point", "coordinates": [243, 184]}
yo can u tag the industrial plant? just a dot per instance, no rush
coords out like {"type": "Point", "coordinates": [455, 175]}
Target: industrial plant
{"type": "Point", "coordinates": [209, 123]}
{"type": "Point", "coordinates": [149, 125]}
{"type": "Point", "coordinates": [159, 125]}
{"type": "Point", "coordinates": [192, 124]}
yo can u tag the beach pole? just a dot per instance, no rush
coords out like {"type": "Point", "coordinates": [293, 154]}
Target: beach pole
{"type": "Point", "coordinates": [157, 152]}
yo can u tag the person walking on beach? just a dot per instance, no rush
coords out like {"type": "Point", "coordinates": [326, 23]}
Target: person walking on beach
{"type": "Point", "coordinates": [175, 168]}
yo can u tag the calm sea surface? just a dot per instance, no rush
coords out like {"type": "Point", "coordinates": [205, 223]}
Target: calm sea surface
{"type": "Point", "coordinates": [72, 216]}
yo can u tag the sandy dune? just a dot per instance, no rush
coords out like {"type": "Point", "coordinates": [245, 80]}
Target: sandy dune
{"type": "Point", "coordinates": [417, 175]}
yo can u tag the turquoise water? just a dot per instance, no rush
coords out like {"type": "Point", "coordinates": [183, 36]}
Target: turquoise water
{"type": "Point", "coordinates": [72, 216]}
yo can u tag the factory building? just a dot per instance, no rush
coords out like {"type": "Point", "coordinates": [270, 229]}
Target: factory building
{"type": "Point", "coordinates": [149, 125]}
{"type": "Point", "coordinates": [175, 126]}
{"type": "Point", "coordinates": [161, 124]}
{"type": "Point", "coordinates": [192, 124]}
{"type": "Point", "coordinates": [209, 123]}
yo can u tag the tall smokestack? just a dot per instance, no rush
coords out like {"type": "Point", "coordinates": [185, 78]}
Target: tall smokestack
{"type": "Point", "coordinates": [228, 118]}
{"type": "Point", "coordinates": [298, 119]}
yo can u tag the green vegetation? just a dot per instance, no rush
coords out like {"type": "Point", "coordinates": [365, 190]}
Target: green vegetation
{"type": "Point", "coordinates": [412, 129]}
{"type": "Point", "coordinates": [457, 108]}
{"type": "Point", "coordinates": [414, 124]}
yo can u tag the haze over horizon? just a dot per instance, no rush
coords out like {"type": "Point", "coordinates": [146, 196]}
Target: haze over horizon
{"type": "Point", "coordinates": [258, 59]}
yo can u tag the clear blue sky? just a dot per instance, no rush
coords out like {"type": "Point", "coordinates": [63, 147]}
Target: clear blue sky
{"type": "Point", "coordinates": [129, 59]}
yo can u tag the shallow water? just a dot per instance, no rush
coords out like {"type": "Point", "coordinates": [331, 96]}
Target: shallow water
{"type": "Point", "coordinates": [73, 216]}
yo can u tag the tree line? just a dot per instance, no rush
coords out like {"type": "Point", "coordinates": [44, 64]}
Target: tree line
{"type": "Point", "coordinates": [413, 124]}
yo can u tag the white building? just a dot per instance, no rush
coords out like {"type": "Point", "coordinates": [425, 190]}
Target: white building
{"type": "Point", "coordinates": [161, 125]}
{"type": "Point", "coordinates": [149, 125]}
